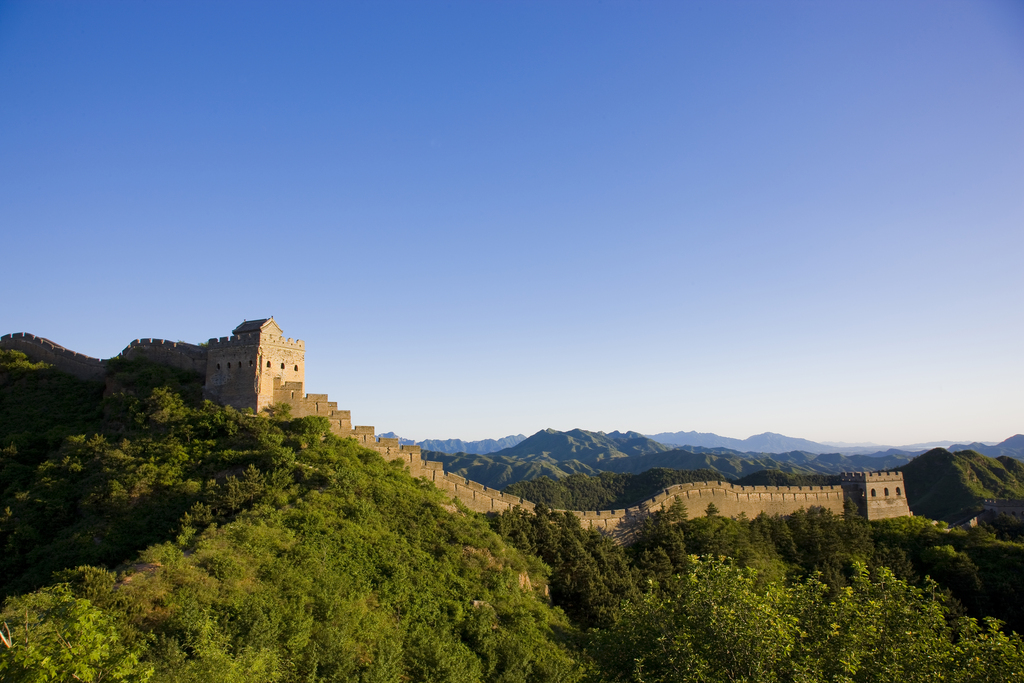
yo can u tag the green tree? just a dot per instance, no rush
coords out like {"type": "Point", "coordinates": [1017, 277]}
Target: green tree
{"type": "Point", "coordinates": [55, 636]}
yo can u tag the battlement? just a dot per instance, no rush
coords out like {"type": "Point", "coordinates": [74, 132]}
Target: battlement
{"type": "Point", "coordinates": [862, 477]}
{"type": "Point", "coordinates": [65, 360]}
{"type": "Point", "coordinates": [234, 340]}
{"type": "Point", "coordinates": [52, 347]}
{"type": "Point", "coordinates": [250, 338]}
{"type": "Point", "coordinates": [999, 503]}
{"type": "Point", "coordinates": [193, 350]}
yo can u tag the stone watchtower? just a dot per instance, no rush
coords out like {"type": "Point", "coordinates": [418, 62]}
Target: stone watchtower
{"type": "Point", "coordinates": [247, 368]}
{"type": "Point", "coordinates": [878, 495]}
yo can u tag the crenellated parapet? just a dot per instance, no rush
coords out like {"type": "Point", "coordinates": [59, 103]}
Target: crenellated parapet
{"type": "Point", "coordinates": [250, 338]}
{"type": "Point", "coordinates": [181, 355]}
{"type": "Point", "coordinates": [42, 349]}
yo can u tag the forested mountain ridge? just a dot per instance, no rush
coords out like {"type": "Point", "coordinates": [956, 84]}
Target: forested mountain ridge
{"type": "Point", "coordinates": [951, 486]}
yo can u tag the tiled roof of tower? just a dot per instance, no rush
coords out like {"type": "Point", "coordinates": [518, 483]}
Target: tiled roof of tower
{"type": "Point", "coordinates": [250, 326]}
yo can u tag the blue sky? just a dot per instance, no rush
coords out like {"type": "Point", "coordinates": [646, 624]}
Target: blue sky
{"type": "Point", "coordinates": [488, 218]}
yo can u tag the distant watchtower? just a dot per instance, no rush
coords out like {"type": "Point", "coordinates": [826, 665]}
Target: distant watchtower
{"type": "Point", "coordinates": [244, 370]}
{"type": "Point", "coordinates": [878, 495]}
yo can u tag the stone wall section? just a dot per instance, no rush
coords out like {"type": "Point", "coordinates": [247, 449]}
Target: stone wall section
{"type": "Point", "coordinates": [41, 349]}
{"type": "Point", "coordinates": [179, 355]}
{"type": "Point", "coordinates": [623, 524]}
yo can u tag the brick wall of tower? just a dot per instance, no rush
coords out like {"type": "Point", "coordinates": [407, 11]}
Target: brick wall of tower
{"type": "Point", "coordinates": [232, 371]}
{"type": "Point", "coordinates": [281, 361]}
{"type": "Point", "coordinates": [878, 495]}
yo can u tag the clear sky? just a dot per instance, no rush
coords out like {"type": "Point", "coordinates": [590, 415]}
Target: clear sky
{"type": "Point", "coordinates": [488, 218]}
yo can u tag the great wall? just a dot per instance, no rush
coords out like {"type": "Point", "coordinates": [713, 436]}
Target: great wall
{"type": "Point", "coordinates": [257, 367]}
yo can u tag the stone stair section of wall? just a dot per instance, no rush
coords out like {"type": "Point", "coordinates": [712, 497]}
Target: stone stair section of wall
{"type": "Point", "coordinates": [65, 360]}
{"type": "Point", "coordinates": [181, 355]}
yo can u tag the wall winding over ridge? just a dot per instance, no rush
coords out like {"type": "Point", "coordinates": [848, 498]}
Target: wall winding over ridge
{"type": "Point", "coordinates": [623, 524]}
{"type": "Point", "coordinates": [65, 360]}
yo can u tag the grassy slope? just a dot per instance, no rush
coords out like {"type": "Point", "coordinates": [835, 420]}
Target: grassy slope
{"type": "Point", "coordinates": [950, 486]}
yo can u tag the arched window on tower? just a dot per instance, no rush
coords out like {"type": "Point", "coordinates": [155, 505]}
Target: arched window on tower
{"type": "Point", "coordinates": [282, 366]}
{"type": "Point", "coordinates": [898, 493]}
{"type": "Point", "coordinates": [296, 368]}
{"type": "Point", "coordinates": [268, 363]}
{"type": "Point", "coordinates": [218, 366]}
{"type": "Point", "coordinates": [886, 493]}
{"type": "Point", "coordinates": [873, 494]}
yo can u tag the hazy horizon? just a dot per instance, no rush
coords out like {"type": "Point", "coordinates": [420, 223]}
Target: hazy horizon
{"type": "Point", "coordinates": [494, 218]}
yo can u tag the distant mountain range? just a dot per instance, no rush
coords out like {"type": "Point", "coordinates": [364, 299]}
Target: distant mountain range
{"type": "Point", "coordinates": [558, 454]}
{"type": "Point", "coordinates": [481, 447]}
{"type": "Point", "coordinates": [770, 442]}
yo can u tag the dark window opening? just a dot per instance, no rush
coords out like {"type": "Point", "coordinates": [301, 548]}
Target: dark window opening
{"type": "Point", "coordinates": [282, 366]}
{"type": "Point", "coordinates": [873, 494]}
{"type": "Point", "coordinates": [898, 494]}
{"type": "Point", "coordinates": [296, 368]}
{"type": "Point", "coordinates": [250, 364]}
{"type": "Point", "coordinates": [268, 363]}
{"type": "Point", "coordinates": [229, 366]}
{"type": "Point", "coordinates": [218, 366]}
{"type": "Point", "coordinates": [887, 493]}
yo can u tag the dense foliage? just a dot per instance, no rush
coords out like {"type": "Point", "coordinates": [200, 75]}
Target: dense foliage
{"type": "Point", "coordinates": [717, 622]}
{"type": "Point", "coordinates": [977, 572]}
{"type": "Point", "coordinates": [270, 550]}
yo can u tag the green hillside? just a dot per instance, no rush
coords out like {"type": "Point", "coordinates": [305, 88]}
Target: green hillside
{"type": "Point", "coordinates": [951, 486]}
{"type": "Point", "coordinates": [606, 490]}
{"type": "Point", "coordinates": [177, 540]}
{"type": "Point", "coordinates": [39, 406]}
